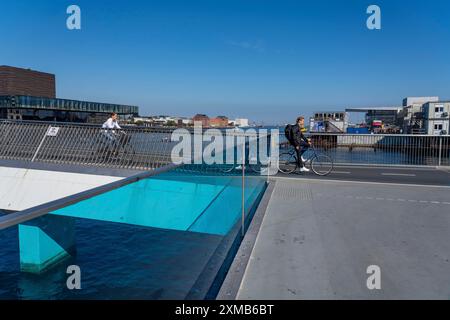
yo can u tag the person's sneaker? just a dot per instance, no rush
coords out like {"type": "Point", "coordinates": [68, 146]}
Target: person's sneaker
{"type": "Point", "coordinates": [304, 169]}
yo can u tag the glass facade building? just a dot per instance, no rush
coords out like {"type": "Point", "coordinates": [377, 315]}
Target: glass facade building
{"type": "Point", "coordinates": [62, 110]}
{"type": "Point", "coordinates": [388, 117]}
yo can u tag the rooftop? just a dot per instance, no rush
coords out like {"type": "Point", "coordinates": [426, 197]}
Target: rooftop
{"type": "Point", "coordinates": [365, 109]}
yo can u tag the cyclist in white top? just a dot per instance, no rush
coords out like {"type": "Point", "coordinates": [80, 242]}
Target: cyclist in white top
{"type": "Point", "coordinates": [112, 122]}
{"type": "Point", "coordinates": [114, 138]}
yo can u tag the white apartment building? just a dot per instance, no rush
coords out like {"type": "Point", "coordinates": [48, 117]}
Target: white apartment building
{"type": "Point", "coordinates": [163, 120]}
{"type": "Point", "coordinates": [241, 122]}
{"type": "Point", "coordinates": [412, 113]}
{"type": "Point", "coordinates": [186, 121]}
{"type": "Point", "coordinates": [437, 120]}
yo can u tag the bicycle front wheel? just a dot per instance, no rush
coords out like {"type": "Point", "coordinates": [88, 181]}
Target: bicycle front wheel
{"type": "Point", "coordinates": [322, 165]}
{"type": "Point", "coordinates": [287, 163]}
{"type": "Point", "coordinates": [227, 168]}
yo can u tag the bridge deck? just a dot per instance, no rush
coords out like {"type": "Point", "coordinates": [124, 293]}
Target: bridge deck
{"type": "Point", "coordinates": [317, 239]}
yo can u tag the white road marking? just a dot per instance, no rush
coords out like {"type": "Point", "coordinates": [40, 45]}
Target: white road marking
{"type": "Point", "coordinates": [341, 172]}
{"type": "Point", "coordinates": [399, 174]}
{"type": "Point", "coordinates": [390, 167]}
{"type": "Point", "coordinates": [321, 180]}
{"type": "Point", "coordinates": [390, 199]}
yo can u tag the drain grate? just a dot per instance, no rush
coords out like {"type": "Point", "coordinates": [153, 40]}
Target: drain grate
{"type": "Point", "coordinates": [293, 192]}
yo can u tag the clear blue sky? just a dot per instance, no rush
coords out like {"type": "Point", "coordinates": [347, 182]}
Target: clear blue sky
{"type": "Point", "coordinates": [264, 60]}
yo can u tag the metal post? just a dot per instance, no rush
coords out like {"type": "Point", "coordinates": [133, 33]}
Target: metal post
{"type": "Point", "coordinates": [40, 145]}
{"type": "Point", "coordinates": [269, 163]}
{"type": "Point", "coordinates": [243, 187]}
{"type": "Point", "coordinates": [440, 151]}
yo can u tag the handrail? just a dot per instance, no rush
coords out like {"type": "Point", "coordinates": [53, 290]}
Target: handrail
{"type": "Point", "coordinates": [13, 219]}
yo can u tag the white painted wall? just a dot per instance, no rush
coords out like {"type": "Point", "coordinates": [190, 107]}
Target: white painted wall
{"type": "Point", "coordinates": [21, 189]}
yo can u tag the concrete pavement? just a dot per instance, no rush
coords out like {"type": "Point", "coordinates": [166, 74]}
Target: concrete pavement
{"type": "Point", "coordinates": [318, 238]}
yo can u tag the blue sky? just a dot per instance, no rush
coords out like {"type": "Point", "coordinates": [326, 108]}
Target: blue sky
{"type": "Point", "coordinates": [264, 60]}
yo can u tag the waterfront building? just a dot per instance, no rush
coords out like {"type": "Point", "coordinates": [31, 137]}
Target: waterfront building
{"type": "Point", "coordinates": [203, 118]}
{"type": "Point", "coordinates": [381, 119]}
{"type": "Point", "coordinates": [185, 122]}
{"type": "Point", "coordinates": [240, 122]}
{"type": "Point", "coordinates": [220, 121]}
{"type": "Point", "coordinates": [26, 82]}
{"type": "Point", "coordinates": [436, 117]}
{"type": "Point", "coordinates": [413, 114]}
{"type": "Point", "coordinates": [61, 110]}
{"type": "Point", "coordinates": [31, 95]}
{"type": "Point", "coordinates": [143, 121]}
{"type": "Point", "coordinates": [331, 121]}
{"type": "Point", "coordinates": [164, 120]}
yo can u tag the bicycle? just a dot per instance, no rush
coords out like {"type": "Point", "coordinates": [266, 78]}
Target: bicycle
{"type": "Point", "coordinates": [114, 146]}
{"type": "Point", "coordinates": [252, 164]}
{"type": "Point", "coordinates": [320, 164]}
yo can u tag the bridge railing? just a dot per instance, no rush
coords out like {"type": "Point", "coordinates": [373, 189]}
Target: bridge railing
{"type": "Point", "coordinates": [175, 208]}
{"type": "Point", "coordinates": [149, 148]}
{"type": "Point", "coordinates": [136, 148]}
{"type": "Point", "coordinates": [388, 149]}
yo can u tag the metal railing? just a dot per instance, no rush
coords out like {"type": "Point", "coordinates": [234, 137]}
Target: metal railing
{"type": "Point", "coordinates": [148, 149]}
{"type": "Point", "coordinates": [143, 148]}
{"type": "Point", "coordinates": [43, 209]}
{"type": "Point", "coordinates": [133, 148]}
{"type": "Point", "coordinates": [389, 149]}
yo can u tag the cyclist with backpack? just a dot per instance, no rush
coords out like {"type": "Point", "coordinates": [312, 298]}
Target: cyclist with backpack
{"type": "Point", "coordinates": [295, 136]}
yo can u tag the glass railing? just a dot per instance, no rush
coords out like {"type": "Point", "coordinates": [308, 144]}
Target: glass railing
{"type": "Point", "coordinates": [170, 235]}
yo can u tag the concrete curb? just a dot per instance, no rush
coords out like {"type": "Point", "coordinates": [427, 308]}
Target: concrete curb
{"type": "Point", "coordinates": [232, 282]}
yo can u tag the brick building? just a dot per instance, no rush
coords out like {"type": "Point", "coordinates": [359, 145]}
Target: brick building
{"type": "Point", "coordinates": [26, 82]}
{"type": "Point", "coordinates": [203, 118]}
{"type": "Point", "coordinates": [31, 95]}
{"type": "Point", "coordinates": [220, 121]}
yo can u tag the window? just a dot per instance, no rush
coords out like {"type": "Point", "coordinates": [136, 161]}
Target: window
{"type": "Point", "coordinates": [438, 127]}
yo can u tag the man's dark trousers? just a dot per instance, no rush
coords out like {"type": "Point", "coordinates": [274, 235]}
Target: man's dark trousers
{"type": "Point", "coordinates": [300, 151]}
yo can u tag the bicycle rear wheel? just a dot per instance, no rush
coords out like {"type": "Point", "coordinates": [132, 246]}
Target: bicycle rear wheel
{"type": "Point", "coordinates": [287, 163]}
{"type": "Point", "coordinates": [322, 165]}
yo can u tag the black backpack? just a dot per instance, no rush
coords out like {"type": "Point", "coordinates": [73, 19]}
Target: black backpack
{"type": "Point", "coordinates": [288, 133]}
